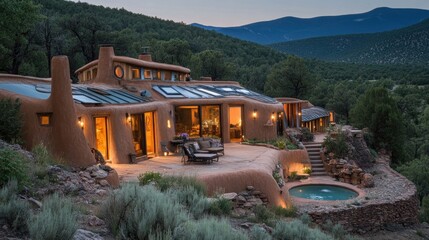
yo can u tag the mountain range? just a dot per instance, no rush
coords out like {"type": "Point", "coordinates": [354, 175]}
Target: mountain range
{"type": "Point", "coordinates": [292, 28]}
{"type": "Point", "coordinates": [408, 45]}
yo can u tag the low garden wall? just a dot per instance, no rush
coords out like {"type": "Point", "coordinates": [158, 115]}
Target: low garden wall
{"type": "Point", "coordinates": [294, 161]}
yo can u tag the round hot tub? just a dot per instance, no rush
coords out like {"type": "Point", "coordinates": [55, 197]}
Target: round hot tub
{"type": "Point", "coordinates": [322, 192]}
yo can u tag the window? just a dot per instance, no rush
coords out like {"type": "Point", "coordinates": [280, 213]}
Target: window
{"type": "Point", "coordinates": [135, 73]}
{"type": "Point", "coordinates": [94, 72]}
{"type": "Point", "coordinates": [198, 121]}
{"type": "Point", "coordinates": [88, 75]}
{"type": "Point", "coordinates": [44, 119]}
{"type": "Point", "coordinates": [156, 74]}
{"type": "Point", "coordinates": [147, 74]}
{"type": "Point", "coordinates": [119, 72]}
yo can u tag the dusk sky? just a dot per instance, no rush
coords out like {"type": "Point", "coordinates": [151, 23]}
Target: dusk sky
{"type": "Point", "coordinates": [240, 12]}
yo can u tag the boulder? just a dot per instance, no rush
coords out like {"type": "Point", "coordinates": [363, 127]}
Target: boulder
{"type": "Point", "coordinates": [81, 234]}
{"type": "Point", "coordinates": [99, 174]}
{"type": "Point", "coordinates": [95, 221]}
{"type": "Point", "coordinates": [113, 178]}
{"type": "Point", "coordinates": [229, 196]}
{"type": "Point", "coordinates": [367, 181]}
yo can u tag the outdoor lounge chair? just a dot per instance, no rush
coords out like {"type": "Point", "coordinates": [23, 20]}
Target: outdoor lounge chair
{"type": "Point", "coordinates": [190, 156]}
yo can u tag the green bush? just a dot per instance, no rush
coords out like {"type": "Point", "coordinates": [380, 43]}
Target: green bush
{"type": "Point", "coordinates": [424, 214]}
{"type": "Point", "coordinates": [307, 170]}
{"type": "Point", "coordinates": [305, 218]}
{"type": "Point", "coordinates": [336, 145]}
{"type": "Point", "coordinates": [149, 177]}
{"type": "Point", "coordinates": [207, 229]}
{"type": "Point", "coordinates": [135, 212]}
{"type": "Point", "coordinates": [12, 165]}
{"type": "Point", "coordinates": [280, 143]}
{"type": "Point", "coordinates": [307, 136]}
{"type": "Point", "coordinates": [293, 175]}
{"type": "Point", "coordinates": [13, 211]}
{"type": "Point", "coordinates": [258, 233]}
{"type": "Point", "coordinates": [42, 156]}
{"type": "Point", "coordinates": [193, 199]}
{"type": "Point", "coordinates": [263, 214]}
{"type": "Point", "coordinates": [298, 230]}
{"type": "Point", "coordinates": [57, 220]}
{"type": "Point", "coordinates": [284, 212]}
{"type": "Point", "coordinates": [417, 171]}
{"type": "Point", "coordinates": [221, 206]}
{"type": "Point", "coordinates": [10, 120]}
{"type": "Point", "coordinates": [291, 146]}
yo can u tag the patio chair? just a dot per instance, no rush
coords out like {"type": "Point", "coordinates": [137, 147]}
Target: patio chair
{"type": "Point", "coordinates": [190, 156]}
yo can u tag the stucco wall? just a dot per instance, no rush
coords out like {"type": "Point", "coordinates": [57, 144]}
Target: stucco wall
{"type": "Point", "coordinates": [295, 160]}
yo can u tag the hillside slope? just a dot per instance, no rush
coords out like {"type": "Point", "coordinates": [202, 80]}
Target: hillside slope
{"type": "Point", "coordinates": [292, 28]}
{"type": "Point", "coordinates": [404, 46]}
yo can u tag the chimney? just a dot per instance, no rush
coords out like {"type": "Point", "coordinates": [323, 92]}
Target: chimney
{"type": "Point", "coordinates": [145, 55]}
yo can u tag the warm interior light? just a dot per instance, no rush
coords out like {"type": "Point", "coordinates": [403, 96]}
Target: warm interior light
{"type": "Point", "coordinates": [80, 122]}
{"type": "Point", "coordinates": [168, 124]}
{"type": "Point", "coordinates": [255, 113]}
{"type": "Point", "coordinates": [272, 116]}
{"type": "Point", "coordinates": [128, 117]}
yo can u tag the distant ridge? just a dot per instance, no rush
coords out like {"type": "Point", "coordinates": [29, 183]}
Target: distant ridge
{"type": "Point", "coordinates": [408, 45]}
{"type": "Point", "coordinates": [292, 28]}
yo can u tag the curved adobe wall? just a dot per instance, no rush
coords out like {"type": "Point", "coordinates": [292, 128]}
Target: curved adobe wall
{"type": "Point", "coordinates": [295, 160]}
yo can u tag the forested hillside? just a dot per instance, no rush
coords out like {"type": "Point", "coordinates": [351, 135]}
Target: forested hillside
{"type": "Point", "coordinates": [405, 46]}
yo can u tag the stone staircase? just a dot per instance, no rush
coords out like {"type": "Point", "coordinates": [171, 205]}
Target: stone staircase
{"type": "Point", "coordinates": [313, 150]}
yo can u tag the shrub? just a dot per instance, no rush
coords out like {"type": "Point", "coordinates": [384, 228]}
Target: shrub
{"type": "Point", "coordinates": [134, 212]}
{"type": "Point", "coordinates": [10, 120]}
{"type": "Point", "coordinates": [291, 146]}
{"type": "Point", "coordinates": [418, 172]}
{"type": "Point", "coordinates": [149, 177]}
{"type": "Point", "coordinates": [262, 214]}
{"type": "Point", "coordinates": [12, 165]}
{"type": "Point", "coordinates": [307, 170]}
{"type": "Point", "coordinates": [259, 233]}
{"type": "Point", "coordinates": [424, 215]}
{"type": "Point", "coordinates": [336, 145]}
{"type": "Point", "coordinates": [297, 230]}
{"type": "Point", "coordinates": [305, 218]}
{"type": "Point", "coordinates": [194, 200]}
{"type": "Point", "coordinates": [57, 220]}
{"type": "Point", "coordinates": [307, 136]}
{"type": "Point", "coordinates": [13, 211]}
{"type": "Point", "coordinates": [221, 206]}
{"type": "Point", "coordinates": [42, 156]}
{"type": "Point", "coordinates": [207, 229]}
{"type": "Point", "coordinates": [293, 175]}
{"type": "Point", "coordinates": [181, 182]}
{"type": "Point", "coordinates": [280, 143]}
{"type": "Point", "coordinates": [284, 212]}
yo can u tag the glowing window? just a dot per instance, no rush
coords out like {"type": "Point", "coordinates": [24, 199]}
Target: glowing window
{"type": "Point", "coordinates": [136, 73]}
{"type": "Point", "coordinates": [44, 119]}
{"type": "Point", "coordinates": [147, 74]}
{"type": "Point", "coordinates": [119, 72]}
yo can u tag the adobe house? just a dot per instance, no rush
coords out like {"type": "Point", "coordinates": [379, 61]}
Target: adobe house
{"type": "Point", "coordinates": [301, 113]}
{"type": "Point", "coordinates": [126, 107]}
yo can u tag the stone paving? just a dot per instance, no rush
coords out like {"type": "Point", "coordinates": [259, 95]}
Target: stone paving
{"type": "Point", "coordinates": [237, 157]}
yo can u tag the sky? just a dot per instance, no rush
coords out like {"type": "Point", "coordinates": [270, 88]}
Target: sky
{"type": "Point", "coordinates": [240, 12]}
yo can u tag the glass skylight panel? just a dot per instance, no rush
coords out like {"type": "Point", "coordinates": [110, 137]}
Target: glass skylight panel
{"type": "Point", "coordinates": [163, 93]}
{"type": "Point", "coordinates": [227, 89]}
{"type": "Point", "coordinates": [84, 99]}
{"type": "Point", "coordinates": [28, 90]}
{"type": "Point", "coordinates": [200, 93]}
{"type": "Point", "coordinates": [209, 92]}
{"type": "Point", "coordinates": [169, 90]}
{"type": "Point", "coordinates": [186, 93]}
{"type": "Point", "coordinates": [242, 90]}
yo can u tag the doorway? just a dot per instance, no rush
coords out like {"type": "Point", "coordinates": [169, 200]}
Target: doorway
{"type": "Point", "coordinates": [142, 128]}
{"type": "Point", "coordinates": [101, 136]}
{"type": "Point", "coordinates": [235, 123]}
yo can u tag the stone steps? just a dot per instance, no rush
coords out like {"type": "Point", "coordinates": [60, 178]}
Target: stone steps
{"type": "Point", "coordinates": [313, 150]}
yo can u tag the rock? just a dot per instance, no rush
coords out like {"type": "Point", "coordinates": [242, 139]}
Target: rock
{"type": "Point", "coordinates": [256, 193]}
{"type": "Point", "coordinates": [247, 205]}
{"type": "Point", "coordinates": [113, 179]}
{"type": "Point", "coordinates": [246, 225]}
{"type": "Point", "coordinates": [241, 199]}
{"type": "Point", "coordinates": [81, 234]}
{"type": "Point", "coordinates": [99, 174]}
{"type": "Point", "coordinates": [35, 203]}
{"type": "Point", "coordinates": [250, 188]}
{"type": "Point", "coordinates": [101, 192]}
{"type": "Point", "coordinates": [95, 221]}
{"type": "Point", "coordinates": [229, 196]}
{"type": "Point", "coordinates": [367, 181]}
{"type": "Point", "coordinates": [70, 187]}
{"type": "Point", "coordinates": [238, 212]}
{"type": "Point", "coordinates": [84, 174]}
{"type": "Point", "coordinates": [105, 168]}
{"type": "Point", "coordinates": [93, 168]}
{"type": "Point", "coordinates": [104, 183]}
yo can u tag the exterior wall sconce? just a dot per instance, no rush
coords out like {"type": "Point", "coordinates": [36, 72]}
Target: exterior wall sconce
{"type": "Point", "coordinates": [128, 117]}
{"type": "Point", "coordinates": [273, 116]}
{"type": "Point", "coordinates": [255, 113]}
{"type": "Point", "coordinates": [299, 113]}
{"type": "Point", "coordinates": [168, 123]}
{"type": "Point", "coordinates": [80, 122]}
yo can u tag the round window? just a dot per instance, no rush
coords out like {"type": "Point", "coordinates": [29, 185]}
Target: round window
{"type": "Point", "coordinates": [119, 72]}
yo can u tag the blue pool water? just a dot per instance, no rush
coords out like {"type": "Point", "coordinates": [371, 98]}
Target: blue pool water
{"type": "Point", "coordinates": [322, 192]}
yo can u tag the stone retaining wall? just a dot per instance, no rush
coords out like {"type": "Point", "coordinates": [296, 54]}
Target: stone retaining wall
{"type": "Point", "coordinates": [373, 217]}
